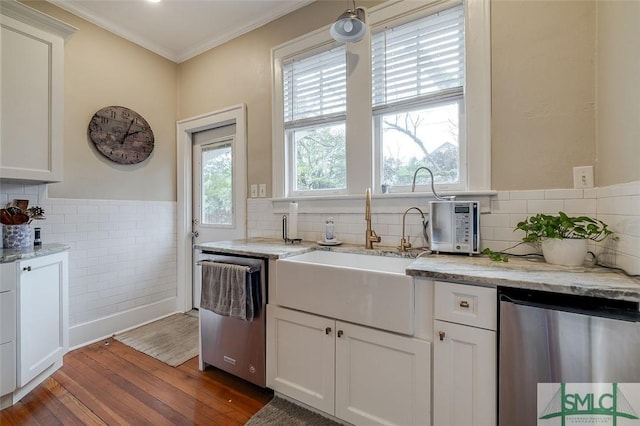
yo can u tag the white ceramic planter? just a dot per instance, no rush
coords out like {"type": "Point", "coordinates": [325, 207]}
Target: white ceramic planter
{"type": "Point", "coordinates": [569, 252]}
{"type": "Point", "coordinates": [16, 236]}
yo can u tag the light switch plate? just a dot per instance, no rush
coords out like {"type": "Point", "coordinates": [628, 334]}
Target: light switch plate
{"type": "Point", "coordinates": [254, 190]}
{"type": "Point", "coordinates": [583, 177]}
{"type": "Point", "coordinates": [262, 190]}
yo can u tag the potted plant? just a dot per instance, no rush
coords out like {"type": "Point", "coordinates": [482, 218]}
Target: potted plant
{"type": "Point", "coordinates": [563, 238]}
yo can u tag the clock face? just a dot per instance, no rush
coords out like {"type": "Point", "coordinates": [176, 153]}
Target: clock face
{"type": "Point", "coordinates": [121, 135]}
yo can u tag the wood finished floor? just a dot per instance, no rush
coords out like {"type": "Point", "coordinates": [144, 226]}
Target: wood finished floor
{"type": "Point", "coordinates": [109, 383]}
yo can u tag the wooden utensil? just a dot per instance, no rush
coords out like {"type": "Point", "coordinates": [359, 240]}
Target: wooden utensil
{"type": "Point", "coordinates": [5, 217]}
{"type": "Point", "coordinates": [20, 218]}
{"type": "Point", "coordinates": [21, 204]}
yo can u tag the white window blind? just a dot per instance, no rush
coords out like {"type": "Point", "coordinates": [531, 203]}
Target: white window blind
{"type": "Point", "coordinates": [420, 59]}
{"type": "Point", "coordinates": [315, 87]}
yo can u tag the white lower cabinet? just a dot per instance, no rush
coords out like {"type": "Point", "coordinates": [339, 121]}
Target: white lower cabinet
{"type": "Point", "coordinates": [42, 316]}
{"type": "Point", "coordinates": [358, 374]}
{"type": "Point", "coordinates": [34, 326]}
{"type": "Point", "coordinates": [464, 356]}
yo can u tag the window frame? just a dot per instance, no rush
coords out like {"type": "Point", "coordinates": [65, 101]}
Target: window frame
{"type": "Point", "coordinates": [361, 157]}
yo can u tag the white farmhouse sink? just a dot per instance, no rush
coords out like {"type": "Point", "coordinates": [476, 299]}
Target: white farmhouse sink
{"type": "Point", "coordinates": [363, 289]}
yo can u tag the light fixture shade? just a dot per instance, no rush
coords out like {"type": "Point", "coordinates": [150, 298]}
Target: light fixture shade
{"type": "Point", "coordinates": [350, 26]}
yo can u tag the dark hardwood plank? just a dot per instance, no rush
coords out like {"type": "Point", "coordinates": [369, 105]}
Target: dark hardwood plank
{"type": "Point", "coordinates": [163, 391]}
{"type": "Point", "coordinates": [109, 383]}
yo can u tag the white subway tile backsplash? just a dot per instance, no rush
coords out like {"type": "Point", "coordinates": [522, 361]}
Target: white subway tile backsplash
{"type": "Point", "coordinates": [619, 207]}
{"type": "Point", "coordinates": [495, 220]}
{"type": "Point", "coordinates": [545, 206]}
{"type": "Point", "coordinates": [511, 206]}
{"type": "Point", "coordinates": [563, 194]}
{"type": "Point", "coordinates": [527, 195]}
{"type": "Point", "coordinates": [580, 207]}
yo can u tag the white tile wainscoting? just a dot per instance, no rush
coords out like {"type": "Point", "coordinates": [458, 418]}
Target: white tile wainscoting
{"type": "Point", "coordinates": [122, 258]}
{"type": "Point", "coordinates": [123, 253]}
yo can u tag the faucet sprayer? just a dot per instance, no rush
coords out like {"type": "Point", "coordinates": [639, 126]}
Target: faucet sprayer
{"type": "Point", "coordinates": [433, 188]}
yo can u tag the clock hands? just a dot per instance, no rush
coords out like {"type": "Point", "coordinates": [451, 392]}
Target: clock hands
{"type": "Point", "coordinates": [129, 132]}
{"type": "Point", "coordinates": [126, 133]}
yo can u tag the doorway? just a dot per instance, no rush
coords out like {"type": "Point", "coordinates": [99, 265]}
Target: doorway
{"type": "Point", "coordinates": [208, 138]}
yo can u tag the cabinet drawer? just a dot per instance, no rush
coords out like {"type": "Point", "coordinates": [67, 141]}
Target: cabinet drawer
{"type": "Point", "coordinates": [466, 304]}
{"type": "Point", "coordinates": [7, 368]}
{"type": "Point", "coordinates": [7, 276]}
{"type": "Point", "coordinates": [7, 316]}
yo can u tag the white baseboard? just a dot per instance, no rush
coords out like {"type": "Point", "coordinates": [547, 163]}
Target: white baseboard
{"type": "Point", "coordinates": [89, 332]}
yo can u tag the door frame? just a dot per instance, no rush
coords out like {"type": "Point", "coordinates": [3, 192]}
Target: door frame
{"type": "Point", "coordinates": [185, 129]}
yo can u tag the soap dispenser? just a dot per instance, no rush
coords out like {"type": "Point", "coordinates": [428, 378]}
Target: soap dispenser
{"type": "Point", "coordinates": [329, 235]}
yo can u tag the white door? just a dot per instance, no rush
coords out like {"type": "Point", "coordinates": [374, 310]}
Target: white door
{"type": "Point", "coordinates": [219, 190]}
{"type": "Point", "coordinates": [464, 375]}
{"type": "Point", "coordinates": [300, 356]}
{"type": "Point", "coordinates": [382, 378]}
{"type": "Point", "coordinates": [42, 314]}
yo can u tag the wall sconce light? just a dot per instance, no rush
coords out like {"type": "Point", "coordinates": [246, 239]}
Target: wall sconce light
{"type": "Point", "coordinates": [350, 26]}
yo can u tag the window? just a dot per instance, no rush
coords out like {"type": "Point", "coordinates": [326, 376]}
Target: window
{"type": "Point", "coordinates": [419, 94]}
{"type": "Point", "coordinates": [418, 99]}
{"type": "Point", "coordinates": [314, 119]}
{"type": "Point", "coordinates": [217, 184]}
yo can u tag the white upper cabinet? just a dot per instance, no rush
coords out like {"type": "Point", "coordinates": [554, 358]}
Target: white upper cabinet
{"type": "Point", "coordinates": [32, 94]}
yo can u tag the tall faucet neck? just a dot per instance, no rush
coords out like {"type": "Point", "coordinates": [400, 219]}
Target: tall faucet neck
{"type": "Point", "coordinates": [433, 187]}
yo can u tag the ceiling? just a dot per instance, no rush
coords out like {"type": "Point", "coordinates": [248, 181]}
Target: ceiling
{"type": "Point", "coordinates": [180, 29]}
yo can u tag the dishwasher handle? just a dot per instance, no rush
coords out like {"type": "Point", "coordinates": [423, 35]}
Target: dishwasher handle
{"type": "Point", "coordinates": [624, 310]}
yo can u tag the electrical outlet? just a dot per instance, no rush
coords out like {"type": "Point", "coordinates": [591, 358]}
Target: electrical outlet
{"type": "Point", "coordinates": [254, 190]}
{"type": "Point", "coordinates": [583, 177]}
{"type": "Point", "coordinates": [262, 190]}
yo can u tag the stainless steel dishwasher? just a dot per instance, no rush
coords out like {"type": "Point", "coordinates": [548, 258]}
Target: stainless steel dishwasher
{"type": "Point", "coordinates": [231, 344]}
{"type": "Point", "coordinates": [555, 338]}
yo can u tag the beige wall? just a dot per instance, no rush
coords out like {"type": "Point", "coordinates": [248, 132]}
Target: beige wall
{"type": "Point", "coordinates": [102, 69]}
{"type": "Point", "coordinates": [618, 94]}
{"type": "Point", "coordinates": [240, 72]}
{"type": "Point", "coordinates": [543, 92]}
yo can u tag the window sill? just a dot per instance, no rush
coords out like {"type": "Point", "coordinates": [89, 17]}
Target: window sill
{"type": "Point", "coordinates": [392, 203]}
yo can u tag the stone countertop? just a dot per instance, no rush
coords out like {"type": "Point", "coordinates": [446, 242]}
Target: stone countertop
{"type": "Point", "coordinates": [277, 249]}
{"type": "Point", "coordinates": [257, 247]}
{"type": "Point", "coordinates": [11, 255]}
{"type": "Point", "coordinates": [528, 273]}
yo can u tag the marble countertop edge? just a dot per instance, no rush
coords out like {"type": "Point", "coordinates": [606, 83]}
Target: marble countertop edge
{"type": "Point", "coordinates": [11, 255]}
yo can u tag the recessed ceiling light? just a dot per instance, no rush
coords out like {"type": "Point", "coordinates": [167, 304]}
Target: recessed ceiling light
{"type": "Point", "coordinates": [154, 1]}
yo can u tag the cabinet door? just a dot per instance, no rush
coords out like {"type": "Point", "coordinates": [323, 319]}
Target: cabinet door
{"type": "Point", "coordinates": [300, 356]}
{"type": "Point", "coordinates": [382, 378]}
{"type": "Point", "coordinates": [42, 314]}
{"type": "Point", "coordinates": [464, 373]}
{"type": "Point", "coordinates": [32, 106]}
{"type": "Point", "coordinates": [7, 367]}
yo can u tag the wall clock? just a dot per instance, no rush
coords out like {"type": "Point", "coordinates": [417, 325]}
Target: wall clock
{"type": "Point", "coordinates": [121, 135]}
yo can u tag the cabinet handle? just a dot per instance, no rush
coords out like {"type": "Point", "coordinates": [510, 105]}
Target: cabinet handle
{"type": "Point", "coordinates": [441, 334]}
{"type": "Point", "coordinates": [464, 304]}
{"type": "Point", "coordinates": [327, 330]}
{"type": "Point", "coordinates": [27, 268]}
{"type": "Point", "coordinates": [340, 333]}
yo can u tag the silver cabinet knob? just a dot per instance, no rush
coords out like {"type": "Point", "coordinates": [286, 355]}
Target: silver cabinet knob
{"type": "Point", "coordinates": [441, 334]}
